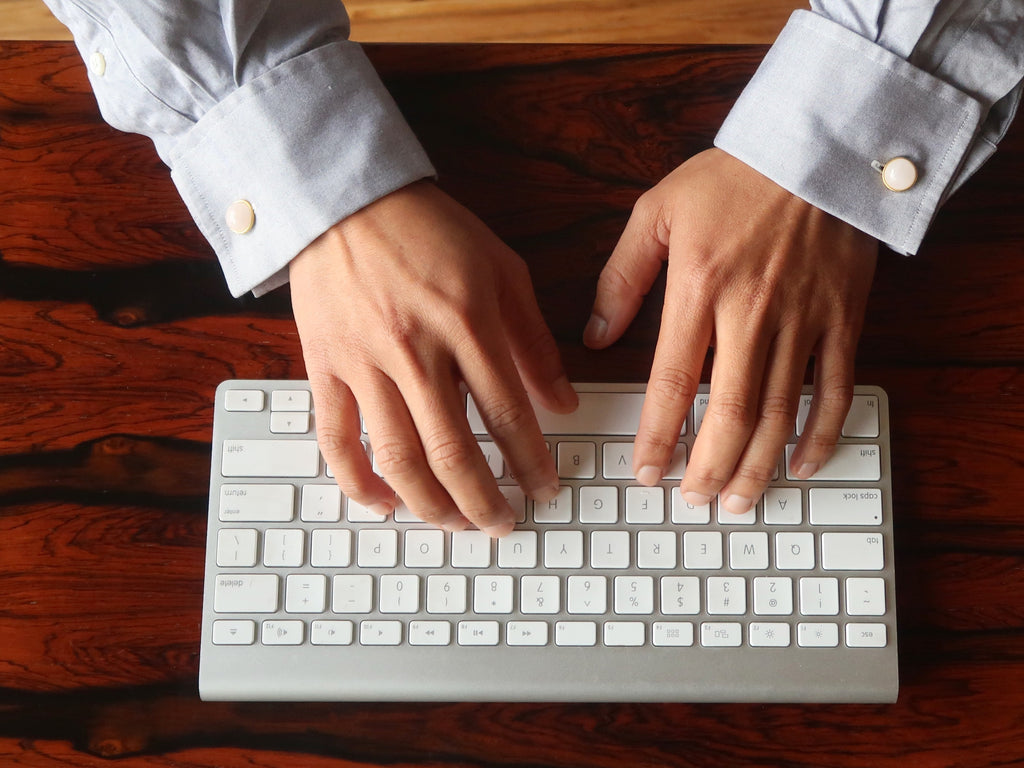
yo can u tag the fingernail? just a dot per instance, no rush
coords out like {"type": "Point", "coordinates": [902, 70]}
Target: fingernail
{"type": "Point", "coordinates": [695, 499]}
{"type": "Point", "coordinates": [455, 525]}
{"type": "Point", "coordinates": [736, 504]}
{"type": "Point", "coordinates": [807, 470]}
{"type": "Point", "coordinates": [564, 393]}
{"type": "Point", "coordinates": [545, 493]}
{"type": "Point", "coordinates": [648, 475]}
{"type": "Point", "coordinates": [594, 333]}
{"type": "Point", "coordinates": [498, 530]}
{"type": "Point", "coordinates": [382, 509]}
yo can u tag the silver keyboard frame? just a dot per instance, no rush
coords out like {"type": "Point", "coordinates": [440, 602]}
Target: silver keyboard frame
{"type": "Point", "coordinates": [549, 673]}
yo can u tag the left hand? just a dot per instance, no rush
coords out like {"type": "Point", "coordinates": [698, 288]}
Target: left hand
{"type": "Point", "coordinates": [768, 280]}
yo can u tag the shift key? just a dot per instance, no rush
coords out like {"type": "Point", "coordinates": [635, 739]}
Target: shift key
{"type": "Point", "coordinates": [270, 458]}
{"type": "Point", "coordinates": [850, 461]}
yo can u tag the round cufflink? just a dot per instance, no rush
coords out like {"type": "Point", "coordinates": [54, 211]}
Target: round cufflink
{"type": "Point", "coordinates": [898, 175]}
{"type": "Point", "coordinates": [240, 217]}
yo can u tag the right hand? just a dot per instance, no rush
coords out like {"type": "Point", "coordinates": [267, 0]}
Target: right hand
{"type": "Point", "coordinates": [396, 306]}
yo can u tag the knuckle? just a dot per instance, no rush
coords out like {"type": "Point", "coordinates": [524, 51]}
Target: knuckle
{"type": "Point", "coordinates": [451, 456]}
{"type": "Point", "coordinates": [705, 478]}
{"type": "Point", "coordinates": [779, 412]}
{"type": "Point", "coordinates": [507, 417]}
{"type": "Point", "coordinates": [397, 458]}
{"type": "Point", "coordinates": [673, 386]}
{"type": "Point", "coordinates": [732, 412]}
{"type": "Point", "coordinates": [756, 474]}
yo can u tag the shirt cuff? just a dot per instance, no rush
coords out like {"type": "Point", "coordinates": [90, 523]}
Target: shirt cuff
{"type": "Point", "coordinates": [826, 103]}
{"type": "Point", "coordinates": [304, 145]}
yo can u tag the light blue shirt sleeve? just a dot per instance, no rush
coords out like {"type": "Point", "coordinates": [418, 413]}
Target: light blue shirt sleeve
{"type": "Point", "coordinates": [856, 82]}
{"type": "Point", "coordinates": [263, 101]}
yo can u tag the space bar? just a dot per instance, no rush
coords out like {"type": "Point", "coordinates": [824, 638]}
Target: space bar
{"type": "Point", "coordinates": [599, 413]}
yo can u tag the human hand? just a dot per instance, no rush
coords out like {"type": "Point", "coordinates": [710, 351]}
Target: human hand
{"type": "Point", "coordinates": [396, 306]}
{"type": "Point", "coordinates": [769, 281]}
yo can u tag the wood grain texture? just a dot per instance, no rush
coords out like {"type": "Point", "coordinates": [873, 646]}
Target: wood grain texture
{"type": "Point", "coordinates": [115, 328]}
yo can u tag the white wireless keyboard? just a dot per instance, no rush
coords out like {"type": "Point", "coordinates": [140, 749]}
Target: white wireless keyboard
{"type": "Point", "coordinates": [611, 592]}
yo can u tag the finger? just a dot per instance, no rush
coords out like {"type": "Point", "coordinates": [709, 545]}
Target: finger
{"type": "Point", "coordinates": [532, 346]}
{"type": "Point", "coordinates": [731, 414]}
{"type": "Point", "coordinates": [454, 456]}
{"type": "Point", "coordinates": [833, 394]}
{"type": "Point", "coordinates": [399, 454]}
{"type": "Point", "coordinates": [629, 274]}
{"type": "Point", "coordinates": [776, 416]}
{"type": "Point", "coordinates": [508, 415]}
{"type": "Point", "coordinates": [683, 340]}
{"type": "Point", "coordinates": [339, 436]}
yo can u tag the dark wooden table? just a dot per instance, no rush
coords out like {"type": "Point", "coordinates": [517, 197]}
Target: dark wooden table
{"type": "Point", "coordinates": [115, 327]}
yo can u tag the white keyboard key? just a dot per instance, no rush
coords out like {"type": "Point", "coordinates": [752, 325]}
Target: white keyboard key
{"type": "Point", "coordinates": [284, 547]}
{"type": "Point", "coordinates": [680, 595]}
{"type": "Point", "coordinates": [700, 407]}
{"type": "Point", "coordinates": [598, 413]}
{"type": "Point", "coordinates": [588, 594]}
{"type": "Point", "coordinates": [516, 501]}
{"type": "Point", "coordinates": [865, 596]}
{"type": "Point", "coordinates": [721, 634]}
{"type": "Point", "coordinates": [377, 548]}
{"type": "Point", "coordinates": [493, 458]}
{"type": "Point", "coordinates": [609, 550]}
{"type": "Point", "coordinates": [563, 549]}
{"type": "Point", "coordinates": [320, 504]}
{"type": "Point", "coordinates": [430, 633]}
{"type": "Point", "coordinates": [672, 634]}
{"type": "Point", "coordinates": [866, 635]}
{"type": "Point", "coordinates": [845, 506]}
{"type": "Point", "coordinates": [399, 593]}
{"type": "Point", "coordinates": [617, 461]}
{"type": "Point", "coordinates": [794, 551]}
{"type": "Point", "coordinates": [773, 596]}
{"type": "Point", "coordinates": [539, 594]}
{"type": "Point", "coordinates": [849, 461]}
{"type": "Point", "coordinates": [556, 510]}
{"type": "Point", "coordinates": [234, 631]}
{"type": "Point", "coordinates": [287, 632]}
{"type": "Point", "coordinates": [492, 594]}
{"type": "Point", "coordinates": [446, 593]}
{"type": "Point", "coordinates": [305, 593]}
{"type": "Point", "coordinates": [424, 548]}
{"type": "Point", "coordinates": [380, 632]}
{"type": "Point", "coordinates": [852, 552]}
{"type": "Point", "coordinates": [634, 595]}
{"type": "Point", "coordinates": [257, 503]}
{"type": "Point", "coordinates": [236, 548]}
{"type": "Point", "coordinates": [331, 632]}
{"type": "Point", "coordinates": [685, 513]}
{"type": "Point", "coordinates": [702, 550]}
{"type": "Point", "coordinates": [526, 633]}
{"type": "Point", "coordinates": [656, 549]}
{"type": "Point", "coordinates": [802, 412]}
{"type": "Point", "coordinates": [599, 504]}
{"type": "Point", "coordinates": [817, 635]}
{"type": "Point", "coordinates": [270, 458]}
{"type": "Point", "coordinates": [748, 551]}
{"type": "Point", "coordinates": [518, 550]}
{"type": "Point", "coordinates": [726, 595]}
{"type": "Point", "coordinates": [285, 423]}
{"type": "Point", "coordinates": [677, 465]}
{"type": "Point", "coordinates": [819, 596]}
{"type": "Point", "coordinates": [624, 633]}
{"type": "Point", "coordinates": [471, 549]}
{"type": "Point", "coordinates": [352, 593]}
{"type": "Point", "coordinates": [478, 632]}
{"type": "Point", "coordinates": [725, 517]}
{"type": "Point", "coordinates": [577, 460]}
{"type": "Point", "coordinates": [862, 419]}
{"type": "Point", "coordinates": [240, 400]}
{"type": "Point", "coordinates": [645, 506]}
{"type": "Point", "coordinates": [783, 506]}
{"type": "Point", "coordinates": [576, 633]}
{"type": "Point", "coordinates": [769, 634]}
{"type": "Point", "coordinates": [290, 400]}
{"type": "Point", "coordinates": [330, 548]}
{"type": "Point", "coordinates": [357, 513]}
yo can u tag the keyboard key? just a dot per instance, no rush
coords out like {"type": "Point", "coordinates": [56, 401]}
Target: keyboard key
{"type": "Point", "coordinates": [783, 506]}
{"type": "Point", "coordinates": [598, 413]}
{"type": "Point", "coordinates": [305, 593]}
{"type": "Point", "coordinates": [377, 548]}
{"type": "Point", "coordinates": [236, 548]}
{"type": "Point", "coordinates": [576, 633]}
{"type": "Point", "coordinates": [352, 593]}
{"type": "Point", "coordinates": [851, 552]}
{"type": "Point", "coordinates": [773, 596]}
{"type": "Point", "coordinates": [685, 513]}
{"type": "Point", "coordinates": [848, 462]}
{"type": "Point", "coordinates": [794, 551]}
{"type": "Point", "coordinates": [320, 504]}
{"type": "Point", "coordinates": [845, 506]}
{"type": "Point", "coordinates": [599, 504]}
{"type": "Point", "coordinates": [430, 633]}
{"type": "Point", "coordinates": [478, 632]}
{"type": "Point", "coordinates": [447, 593]}
{"type": "Point", "coordinates": [645, 506]}
{"type": "Point", "coordinates": [656, 549]}
{"type": "Point", "coordinates": [492, 594]}
{"type": "Point", "coordinates": [234, 632]}
{"type": "Point", "coordinates": [577, 460]}
{"type": "Point", "coordinates": [624, 633]}
{"type": "Point", "coordinates": [329, 632]}
{"type": "Point", "coordinates": [769, 634]}
{"type": "Point", "coordinates": [240, 400]}
{"type": "Point", "coordinates": [399, 593]}
{"type": "Point", "coordinates": [284, 548]}
{"type": "Point", "coordinates": [817, 635]}
{"type": "Point", "coordinates": [556, 510]}
{"type": "Point", "coordinates": [235, 593]}
{"type": "Point", "coordinates": [518, 550]}
{"type": "Point", "coordinates": [634, 594]}
{"type": "Point", "coordinates": [424, 548]}
{"type": "Point", "coordinates": [526, 633]}
{"type": "Point", "coordinates": [291, 400]}
{"type": "Point", "coordinates": [330, 548]}
{"type": "Point", "coordinates": [588, 594]}
{"type": "Point", "coordinates": [380, 632]}
{"type": "Point", "coordinates": [819, 597]}
{"type": "Point", "coordinates": [617, 461]}
{"type": "Point", "coordinates": [540, 594]}
{"type": "Point", "coordinates": [471, 549]}
{"type": "Point", "coordinates": [680, 595]}
{"type": "Point", "coordinates": [609, 550]}
{"type": "Point", "coordinates": [748, 551]}
{"type": "Point", "coordinates": [702, 550]}
{"type": "Point", "coordinates": [865, 635]}
{"type": "Point", "coordinates": [726, 595]}
{"type": "Point", "coordinates": [257, 503]}
{"type": "Point", "coordinates": [563, 549]}
{"type": "Point", "coordinates": [270, 458]}
{"type": "Point", "coordinates": [722, 634]}
{"type": "Point", "coordinates": [277, 632]}
{"type": "Point", "coordinates": [493, 458]}
{"type": "Point", "coordinates": [677, 465]}
{"type": "Point", "coordinates": [865, 597]}
{"type": "Point", "coordinates": [862, 419]}
{"type": "Point", "coordinates": [286, 423]}
{"type": "Point", "coordinates": [672, 634]}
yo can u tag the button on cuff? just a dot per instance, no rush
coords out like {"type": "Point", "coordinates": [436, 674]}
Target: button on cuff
{"type": "Point", "coordinates": [240, 217]}
{"type": "Point", "coordinates": [98, 63]}
{"type": "Point", "coordinates": [899, 174]}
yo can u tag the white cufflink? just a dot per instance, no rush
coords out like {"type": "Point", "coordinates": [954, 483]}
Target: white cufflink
{"type": "Point", "coordinates": [240, 217]}
{"type": "Point", "coordinates": [898, 175]}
